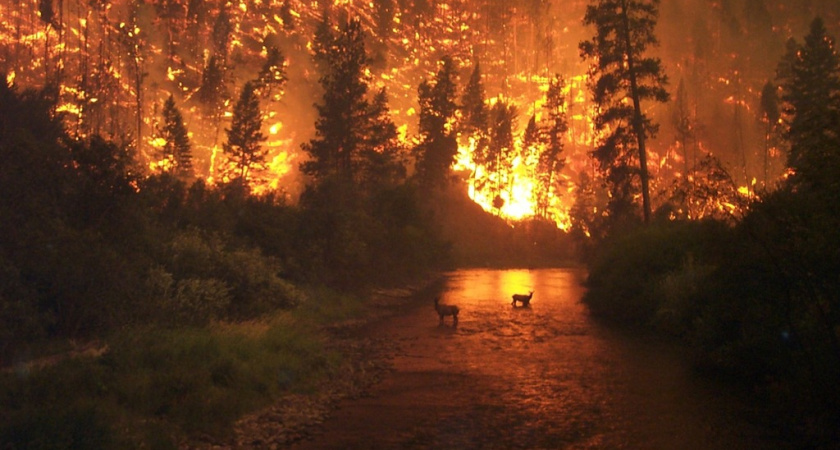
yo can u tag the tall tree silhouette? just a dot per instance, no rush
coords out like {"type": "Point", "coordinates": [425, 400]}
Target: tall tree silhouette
{"type": "Point", "coordinates": [474, 117]}
{"type": "Point", "coordinates": [382, 159]}
{"type": "Point", "coordinates": [811, 95]}
{"type": "Point", "coordinates": [244, 145]}
{"type": "Point", "coordinates": [551, 160]}
{"type": "Point", "coordinates": [438, 146]}
{"type": "Point", "coordinates": [500, 151]}
{"type": "Point", "coordinates": [621, 78]}
{"type": "Point", "coordinates": [176, 147]}
{"type": "Point", "coordinates": [344, 109]}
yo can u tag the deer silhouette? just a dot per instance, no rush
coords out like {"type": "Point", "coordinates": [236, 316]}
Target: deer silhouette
{"type": "Point", "coordinates": [522, 298]}
{"type": "Point", "coordinates": [446, 310]}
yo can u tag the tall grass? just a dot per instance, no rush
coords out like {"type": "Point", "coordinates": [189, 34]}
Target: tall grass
{"type": "Point", "coordinates": [161, 384]}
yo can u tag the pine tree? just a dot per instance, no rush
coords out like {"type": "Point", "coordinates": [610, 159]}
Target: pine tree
{"type": "Point", "coordinates": [438, 147]}
{"type": "Point", "coordinates": [243, 148]}
{"type": "Point", "coordinates": [344, 109]}
{"type": "Point", "coordinates": [211, 92]}
{"type": "Point", "coordinates": [474, 105]}
{"type": "Point", "coordinates": [812, 106]}
{"type": "Point", "coordinates": [532, 148]}
{"type": "Point", "coordinates": [501, 148]}
{"type": "Point", "coordinates": [784, 79]}
{"type": "Point", "coordinates": [621, 78]}
{"type": "Point", "coordinates": [222, 30]}
{"type": "Point", "coordinates": [474, 121]}
{"type": "Point", "coordinates": [551, 160]}
{"type": "Point", "coordinates": [382, 157]}
{"type": "Point", "coordinates": [177, 143]}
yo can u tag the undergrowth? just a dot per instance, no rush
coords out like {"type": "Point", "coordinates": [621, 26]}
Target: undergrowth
{"type": "Point", "coordinates": [153, 387]}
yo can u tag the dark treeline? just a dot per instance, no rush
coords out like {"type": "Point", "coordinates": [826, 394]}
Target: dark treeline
{"type": "Point", "coordinates": [755, 298]}
{"type": "Point", "coordinates": [89, 244]}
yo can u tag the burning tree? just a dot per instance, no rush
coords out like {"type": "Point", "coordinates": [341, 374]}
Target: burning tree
{"type": "Point", "coordinates": [621, 77]}
{"type": "Point", "coordinates": [244, 145]}
{"type": "Point", "coordinates": [272, 77]}
{"type": "Point", "coordinates": [176, 143]}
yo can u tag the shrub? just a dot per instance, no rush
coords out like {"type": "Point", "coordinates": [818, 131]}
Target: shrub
{"type": "Point", "coordinates": [630, 273]}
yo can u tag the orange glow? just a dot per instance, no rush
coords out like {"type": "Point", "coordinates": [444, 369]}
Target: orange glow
{"type": "Point", "coordinates": [112, 76]}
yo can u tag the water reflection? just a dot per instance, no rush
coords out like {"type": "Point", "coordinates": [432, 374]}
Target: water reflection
{"type": "Point", "coordinates": [545, 376]}
{"type": "Point", "coordinates": [548, 374]}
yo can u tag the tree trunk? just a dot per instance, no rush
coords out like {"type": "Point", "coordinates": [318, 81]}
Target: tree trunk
{"type": "Point", "coordinates": [638, 125]}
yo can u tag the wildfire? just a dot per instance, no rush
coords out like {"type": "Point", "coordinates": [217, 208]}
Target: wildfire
{"type": "Point", "coordinates": [119, 62]}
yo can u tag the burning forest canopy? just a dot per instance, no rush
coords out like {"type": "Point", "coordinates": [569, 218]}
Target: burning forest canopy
{"type": "Point", "coordinates": [117, 63]}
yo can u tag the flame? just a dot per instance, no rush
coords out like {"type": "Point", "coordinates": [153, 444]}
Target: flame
{"type": "Point", "coordinates": [452, 29]}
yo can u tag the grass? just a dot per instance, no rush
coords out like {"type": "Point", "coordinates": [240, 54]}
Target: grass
{"type": "Point", "coordinates": [155, 386]}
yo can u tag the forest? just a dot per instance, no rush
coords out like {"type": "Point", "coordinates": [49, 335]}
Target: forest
{"type": "Point", "coordinates": [170, 165]}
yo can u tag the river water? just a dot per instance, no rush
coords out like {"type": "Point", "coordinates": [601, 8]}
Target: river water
{"type": "Point", "coordinates": [542, 376]}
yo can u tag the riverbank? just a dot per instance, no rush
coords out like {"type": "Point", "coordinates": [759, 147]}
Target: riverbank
{"type": "Point", "coordinates": [366, 360]}
{"type": "Point", "coordinates": [227, 385]}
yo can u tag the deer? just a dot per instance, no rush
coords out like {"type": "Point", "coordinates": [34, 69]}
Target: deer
{"type": "Point", "coordinates": [522, 298]}
{"type": "Point", "coordinates": [446, 310]}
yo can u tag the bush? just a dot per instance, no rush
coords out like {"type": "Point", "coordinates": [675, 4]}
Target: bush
{"type": "Point", "coordinates": [627, 275]}
{"type": "Point", "coordinates": [153, 385]}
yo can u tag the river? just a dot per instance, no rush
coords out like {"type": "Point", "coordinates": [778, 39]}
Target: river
{"type": "Point", "coordinates": [542, 376]}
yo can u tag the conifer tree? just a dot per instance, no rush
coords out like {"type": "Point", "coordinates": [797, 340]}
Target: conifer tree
{"type": "Point", "coordinates": [621, 78]}
{"type": "Point", "coordinates": [177, 143]}
{"type": "Point", "coordinates": [243, 148]}
{"type": "Point", "coordinates": [811, 96]}
{"type": "Point", "coordinates": [344, 108]}
{"type": "Point", "coordinates": [551, 160]}
{"type": "Point", "coordinates": [211, 92]}
{"type": "Point", "coordinates": [532, 148]}
{"type": "Point", "coordinates": [474, 105]}
{"type": "Point", "coordinates": [501, 148]}
{"type": "Point", "coordinates": [221, 33]}
{"type": "Point", "coordinates": [382, 157]}
{"type": "Point", "coordinates": [474, 119]}
{"type": "Point", "coordinates": [438, 147]}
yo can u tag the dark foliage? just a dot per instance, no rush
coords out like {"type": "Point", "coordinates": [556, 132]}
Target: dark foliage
{"type": "Point", "coordinates": [89, 246]}
{"type": "Point", "coordinates": [438, 147]}
{"type": "Point", "coordinates": [621, 78]}
{"type": "Point", "coordinates": [246, 156]}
